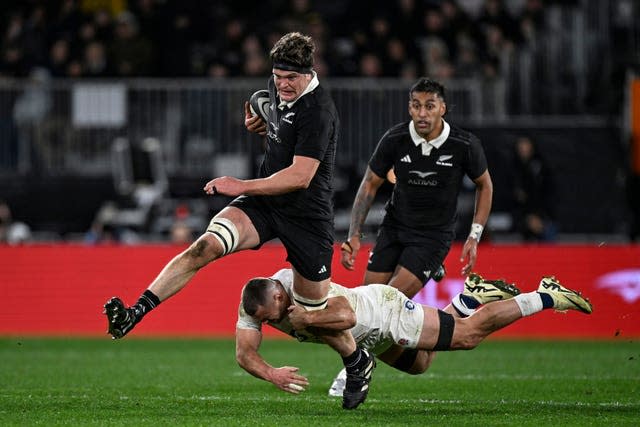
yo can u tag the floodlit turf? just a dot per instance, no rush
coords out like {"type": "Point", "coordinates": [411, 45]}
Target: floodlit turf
{"type": "Point", "coordinates": [197, 382]}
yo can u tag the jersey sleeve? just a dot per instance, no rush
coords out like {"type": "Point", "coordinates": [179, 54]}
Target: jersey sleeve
{"type": "Point", "coordinates": [247, 322]}
{"type": "Point", "coordinates": [382, 159]}
{"type": "Point", "coordinates": [284, 276]}
{"type": "Point", "coordinates": [477, 160]}
{"type": "Point", "coordinates": [314, 128]}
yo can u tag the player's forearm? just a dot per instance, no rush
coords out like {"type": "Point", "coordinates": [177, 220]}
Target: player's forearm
{"type": "Point", "coordinates": [332, 324]}
{"type": "Point", "coordinates": [297, 176]}
{"type": "Point", "coordinates": [360, 210]}
{"type": "Point", "coordinates": [484, 198]}
{"type": "Point", "coordinates": [281, 182]}
{"type": "Point", "coordinates": [335, 318]}
{"type": "Point", "coordinates": [254, 364]}
{"type": "Point", "coordinates": [363, 201]}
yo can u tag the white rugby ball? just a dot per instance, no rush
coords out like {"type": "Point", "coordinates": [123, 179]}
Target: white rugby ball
{"type": "Point", "coordinates": [259, 104]}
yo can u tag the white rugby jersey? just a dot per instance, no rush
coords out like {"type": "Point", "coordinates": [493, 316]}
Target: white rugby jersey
{"type": "Point", "coordinates": [383, 314]}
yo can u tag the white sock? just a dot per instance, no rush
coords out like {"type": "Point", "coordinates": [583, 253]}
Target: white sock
{"type": "Point", "coordinates": [461, 307]}
{"type": "Point", "coordinates": [529, 303]}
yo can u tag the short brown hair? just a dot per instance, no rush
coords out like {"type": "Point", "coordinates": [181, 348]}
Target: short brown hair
{"type": "Point", "coordinates": [254, 294]}
{"type": "Point", "coordinates": [293, 50]}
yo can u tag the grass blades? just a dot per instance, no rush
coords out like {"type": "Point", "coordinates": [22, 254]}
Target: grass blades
{"type": "Point", "coordinates": [158, 382]}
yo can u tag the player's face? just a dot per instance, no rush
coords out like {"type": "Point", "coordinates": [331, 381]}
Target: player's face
{"type": "Point", "coordinates": [426, 110]}
{"type": "Point", "coordinates": [274, 310]}
{"type": "Point", "coordinates": [290, 84]}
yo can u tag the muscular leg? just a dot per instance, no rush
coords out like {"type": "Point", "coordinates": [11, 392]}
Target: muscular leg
{"type": "Point", "coordinates": [401, 279]}
{"type": "Point", "coordinates": [392, 357]}
{"type": "Point", "coordinates": [424, 358]}
{"type": "Point", "coordinates": [181, 269]}
{"type": "Point", "coordinates": [375, 277]}
{"type": "Point", "coordinates": [469, 332]}
{"type": "Point", "coordinates": [233, 225]}
{"type": "Point", "coordinates": [359, 364]}
{"type": "Point", "coordinates": [342, 342]}
{"type": "Point", "coordinates": [406, 282]}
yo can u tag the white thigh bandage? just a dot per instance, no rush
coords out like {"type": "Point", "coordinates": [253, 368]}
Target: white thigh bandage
{"type": "Point", "coordinates": [226, 233]}
{"type": "Point", "coordinates": [309, 304]}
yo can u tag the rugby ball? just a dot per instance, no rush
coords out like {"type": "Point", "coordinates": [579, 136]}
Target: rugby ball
{"type": "Point", "coordinates": [259, 104]}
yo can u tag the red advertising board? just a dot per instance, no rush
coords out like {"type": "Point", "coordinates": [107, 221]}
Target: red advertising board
{"type": "Point", "coordinates": [60, 290]}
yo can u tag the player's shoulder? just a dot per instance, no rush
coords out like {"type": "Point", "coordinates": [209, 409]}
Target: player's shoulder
{"type": "Point", "coordinates": [397, 132]}
{"type": "Point", "coordinates": [284, 276]}
{"type": "Point", "coordinates": [459, 135]}
{"type": "Point", "coordinates": [317, 105]}
{"type": "Point", "coordinates": [318, 99]}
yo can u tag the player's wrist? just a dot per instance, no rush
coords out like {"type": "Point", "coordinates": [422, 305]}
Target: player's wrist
{"type": "Point", "coordinates": [352, 242]}
{"type": "Point", "coordinates": [476, 232]}
{"type": "Point", "coordinates": [358, 236]}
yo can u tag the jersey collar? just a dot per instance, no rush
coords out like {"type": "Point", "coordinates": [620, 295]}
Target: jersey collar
{"type": "Point", "coordinates": [435, 142]}
{"type": "Point", "coordinates": [311, 86]}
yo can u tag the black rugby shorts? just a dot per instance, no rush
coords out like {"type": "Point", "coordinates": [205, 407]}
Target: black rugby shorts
{"type": "Point", "coordinates": [309, 242]}
{"type": "Point", "coordinates": [419, 252]}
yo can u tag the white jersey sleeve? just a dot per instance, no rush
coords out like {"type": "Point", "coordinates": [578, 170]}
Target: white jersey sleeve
{"type": "Point", "coordinates": [247, 322]}
{"type": "Point", "coordinates": [284, 276]}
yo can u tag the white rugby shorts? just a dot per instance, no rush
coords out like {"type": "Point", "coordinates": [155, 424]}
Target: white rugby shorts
{"type": "Point", "coordinates": [385, 316]}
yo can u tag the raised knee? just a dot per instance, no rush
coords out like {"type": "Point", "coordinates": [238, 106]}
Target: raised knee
{"type": "Point", "coordinates": [201, 252]}
{"type": "Point", "coordinates": [226, 233]}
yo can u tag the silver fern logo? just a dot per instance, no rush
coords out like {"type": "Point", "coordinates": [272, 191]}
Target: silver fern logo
{"type": "Point", "coordinates": [443, 160]}
{"type": "Point", "coordinates": [289, 117]}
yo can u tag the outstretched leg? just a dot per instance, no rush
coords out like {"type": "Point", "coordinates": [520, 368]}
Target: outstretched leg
{"type": "Point", "coordinates": [478, 291]}
{"type": "Point", "coordinates": [468, 332]}
{"type": "Point", "coordinates": [231, 230]}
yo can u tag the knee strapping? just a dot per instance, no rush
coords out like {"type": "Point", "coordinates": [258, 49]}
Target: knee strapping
{"type": "Point", "coordinates": [309, 304]}
{"type": "Point", "coordinates": [226, 232]}
{"type": "Point", "coordinates": [447, 324]}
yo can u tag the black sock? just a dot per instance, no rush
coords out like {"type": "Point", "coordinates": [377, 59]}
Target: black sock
{"type": "Point", "coordinates": [469, 301]}
{"type": "Point", "coordinates": [547, 301]}
{"type": "Point", "coordinates": [354, 360]}
{"type": "Point", "coordinates": [147, 302]}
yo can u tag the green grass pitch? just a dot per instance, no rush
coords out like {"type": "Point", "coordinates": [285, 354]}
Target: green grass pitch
{"type": "Point", "coordinates": [156, 382]}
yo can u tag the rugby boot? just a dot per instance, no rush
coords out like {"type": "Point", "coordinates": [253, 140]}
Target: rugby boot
{"type": "Point", "coordinates": [120, 318]}
{"type": "Point", "coordinates": [564, 298]}
{"type": "Point", "coordinates": [485, 291]}
{"type": "Point", "coordinates": [357, 385]}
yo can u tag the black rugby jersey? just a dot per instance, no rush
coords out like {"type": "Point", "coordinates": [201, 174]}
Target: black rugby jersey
{"type": "Point", "coordinates": [309, 128]}
{"type": "Point", "coordinates": [425, 195]}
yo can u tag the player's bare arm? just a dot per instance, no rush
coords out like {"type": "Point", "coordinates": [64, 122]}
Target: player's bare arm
{"type": "Point", "coordinates": [361, 205]}
{"type": "Point", "coordinates": [338, 316]}
{"type": "Point", "coordinates": [285, 378]}
{"type": "Point", "coordinates": [295, 177]}
{"type": "Point", "coordinates": [484, 197]}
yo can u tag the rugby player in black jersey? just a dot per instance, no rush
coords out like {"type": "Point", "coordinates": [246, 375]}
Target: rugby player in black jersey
{"type": "Point", "coordinates": [290, 200]}
{"type": "Point", "coordinates": [429, 158]}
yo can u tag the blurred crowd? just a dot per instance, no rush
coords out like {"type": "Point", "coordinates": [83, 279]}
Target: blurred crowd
{"type": "Point", "coordinates": [170, 38]}
{"type": "Point", "coordinates": [202, 38]}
